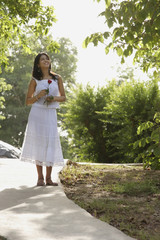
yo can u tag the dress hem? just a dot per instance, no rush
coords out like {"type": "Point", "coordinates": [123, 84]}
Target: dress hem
{"type": "Point", "coordinates": [46, 164]}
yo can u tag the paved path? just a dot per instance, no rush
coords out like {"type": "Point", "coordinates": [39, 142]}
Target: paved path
{"type": "Point", "coordinates": [44, 213]}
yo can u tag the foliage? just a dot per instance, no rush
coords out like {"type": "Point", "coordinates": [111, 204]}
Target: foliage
{"type": "Point", "coordinates": [19, 75]}
{"type": "Point", "coordinates": [131, 103]}
{"type": "Point", "coordinates": [65, 62]}
{"type": "Point", "coordinates": [3, 87]}
{"type": "Point", "coordinates": [102, 124]}
{"type": "Point", "coordinates": [134, 28]}
{"type": "Point", "coordinates": [65, 147]}
{"type": "Point", "coordinates": [18, 19]}
{"type": "Point", "coordinates": [18, 22]}
{"type": "Point", "coordinates": [149, 142]}
{"type": "Point", "coordinates": [81, 121]}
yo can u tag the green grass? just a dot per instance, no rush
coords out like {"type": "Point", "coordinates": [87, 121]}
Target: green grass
{"type": "Point", "coordinates": [114, 212]}
{"type": "Point", "coordinates": [136, 188]}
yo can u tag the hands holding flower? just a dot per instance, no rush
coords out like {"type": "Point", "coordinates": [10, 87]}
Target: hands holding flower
{"type": "Point", "coordinates": [48, 99]}
{"type": "Point", "coordinates": [42, 93]}
{"type": "Point", "coordinates": [45, 92]}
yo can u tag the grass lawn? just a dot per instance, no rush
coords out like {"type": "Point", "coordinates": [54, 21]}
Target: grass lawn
{"type": "Point", "coordinates": [126, 197]}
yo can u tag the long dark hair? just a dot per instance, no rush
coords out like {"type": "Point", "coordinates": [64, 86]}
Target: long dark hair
{"type": "Point", "coordinates": [37, 73]}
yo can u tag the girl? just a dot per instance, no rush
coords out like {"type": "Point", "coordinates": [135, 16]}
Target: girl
{"type": "Point", "coordinates": [41, 144]}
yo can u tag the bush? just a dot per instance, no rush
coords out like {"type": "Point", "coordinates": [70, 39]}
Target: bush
{"type": "Point", "coordinates": [102, 124]}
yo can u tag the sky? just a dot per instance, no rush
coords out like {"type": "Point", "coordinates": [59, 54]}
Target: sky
{"type": "Point", "coordinates": [77, 19]}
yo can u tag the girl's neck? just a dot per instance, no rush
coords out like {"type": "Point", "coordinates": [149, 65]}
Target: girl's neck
{"type": "Point", "coordinates": [45, 73]}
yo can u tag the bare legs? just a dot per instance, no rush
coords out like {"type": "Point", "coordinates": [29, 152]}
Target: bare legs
{"type": "Point", "coordinates": [40, 181]}
{"type": "Point", "coordinates": [48, 172]}
{"type": "Point", "coordinates": [40, 172]}
{"type": "Point", "coordinates": [48, 176]}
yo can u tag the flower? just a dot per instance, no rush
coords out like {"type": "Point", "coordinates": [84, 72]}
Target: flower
{"type": "Point", "coordinates": [49, 82]}
{"type": "Point", "coordinates": [47, 90]}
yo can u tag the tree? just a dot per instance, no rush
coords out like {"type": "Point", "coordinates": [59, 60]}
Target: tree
{"type": "Point", "coordinates": [19, 75]}
{"type": "Point", "coordinates": [18, 18]}
{"type": "Point", "coordinates": [3, 88]}
{"type": "Point", "coordinates": [134, 28]}
{"type": "Point", "coordinates": [64, 61]}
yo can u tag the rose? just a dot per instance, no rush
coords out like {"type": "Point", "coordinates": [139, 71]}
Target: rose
{"type": "Point", "coordinates": [49, 82]}
{"type": "Point", "coordinates": [47, 90]}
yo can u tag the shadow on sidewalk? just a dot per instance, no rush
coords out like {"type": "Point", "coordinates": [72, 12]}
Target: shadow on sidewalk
{"type": "Point", "coordinates": [48, 213]}
{"type": "Point", "coordinates": [11, 197]}
{"type": "Point", "coordinates": [52, 212]}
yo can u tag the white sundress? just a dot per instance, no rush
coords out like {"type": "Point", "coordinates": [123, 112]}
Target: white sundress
{"type": "Point", "coordinates": [41, 144]}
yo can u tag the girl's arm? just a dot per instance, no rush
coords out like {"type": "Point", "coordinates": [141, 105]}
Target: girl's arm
{"type": "Point", "coordinates": [30, 99]}
{"type": "Point", "coordinates": [62, 96]}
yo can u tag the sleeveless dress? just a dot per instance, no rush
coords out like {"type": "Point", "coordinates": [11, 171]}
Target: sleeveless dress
{"type": "Point", "coordinates": [41, 144]}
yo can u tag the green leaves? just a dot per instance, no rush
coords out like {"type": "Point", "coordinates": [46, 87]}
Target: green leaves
{"type": "Point", "coordinates": [86, 42]}
{"type": "Point", "coordinates": [106, 35]}
{"type": "Point", "coordinates": [155, 135]}
{"type": "Point", "coordinates": [102, 124]}
{"type": "Point", "coordinates": [108, 2]}
{"type": "Point", "coordinates": [117, 33]}
{"type": "Point", "coordinates": [157, 151]}
{"type": "Point", "coordinates": [19, 19]}
{"type": "Point", "coordinates": [96, 38]}
{"type": "Point", "coordinates": [53, 46]}
{"type": "Point", "coordinates": [157, 22]}
{"type": "Point", "coordinates": [142, 142]}
{"type": "Point", "coordinates": [119, 51]}
{"type": "Point", "coordinates": [83, 123]}
{"type": "Point", "coordinates": [151, 142]}
{"type": "Point", "coordinates": [3, 88]}
{"type": "Point", "coordinates": [134, 25]}
{"type": "Point", "coordinates": [144, 126]}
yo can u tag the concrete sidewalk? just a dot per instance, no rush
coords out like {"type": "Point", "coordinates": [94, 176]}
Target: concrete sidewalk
{"type": "Point", "coordinates": [28, 212]}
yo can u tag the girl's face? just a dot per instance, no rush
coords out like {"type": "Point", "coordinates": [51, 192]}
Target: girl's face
{"type": "Point", "coordinates": [44, 62]}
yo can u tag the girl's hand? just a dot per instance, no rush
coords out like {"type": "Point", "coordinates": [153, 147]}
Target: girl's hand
{"type": "Point", "coordinates": [50, 99]}
{"type": "Point", "coordinates": [42, 93]}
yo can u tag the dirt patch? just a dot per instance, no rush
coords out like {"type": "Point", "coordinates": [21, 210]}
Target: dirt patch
{"type": "Point", "coordinates": [125, 197]}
